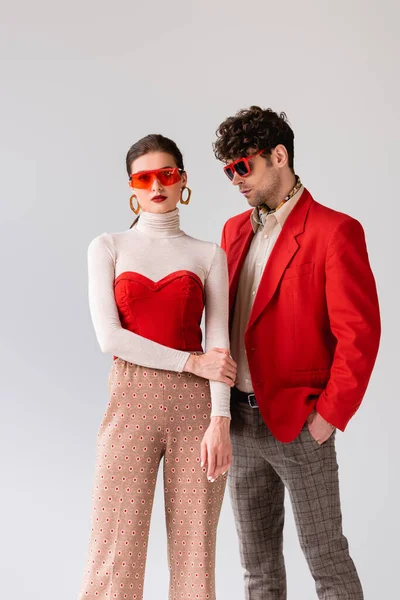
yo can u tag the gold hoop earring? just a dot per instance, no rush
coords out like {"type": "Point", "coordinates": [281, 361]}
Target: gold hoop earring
{"type": "Point", "coordinates": [137, 209]}
{"type": "Point", "coordinates": [182, 201]}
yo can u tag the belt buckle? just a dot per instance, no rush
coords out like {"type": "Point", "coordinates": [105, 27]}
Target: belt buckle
{"type": "Point", "coordinates": [252, 401]}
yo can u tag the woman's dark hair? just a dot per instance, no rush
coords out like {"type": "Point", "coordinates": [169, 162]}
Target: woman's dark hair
{"type": "Point", "coordinates": [253, 128]}
{"type": "Point", "coordinates": [154, 142]}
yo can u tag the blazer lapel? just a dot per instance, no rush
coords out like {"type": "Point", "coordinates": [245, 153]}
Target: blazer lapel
{"type": "Point", "coordinates": [236, 255]}
{"type": "Point", "coordinates": [284, 250]}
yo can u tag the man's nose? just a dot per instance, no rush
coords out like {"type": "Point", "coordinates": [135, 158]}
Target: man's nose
{"type": "Point", "coordinates": [237, 178]}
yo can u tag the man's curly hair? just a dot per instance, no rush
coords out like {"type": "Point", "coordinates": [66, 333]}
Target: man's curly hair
{"type": "Point", "coordinates": [253, 128]}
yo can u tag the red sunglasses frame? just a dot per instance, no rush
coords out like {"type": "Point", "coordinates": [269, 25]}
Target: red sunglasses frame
{"type": "Point", "coordinates": [245, 160]}
{"type": "Point", "coordinates": [154, 173]}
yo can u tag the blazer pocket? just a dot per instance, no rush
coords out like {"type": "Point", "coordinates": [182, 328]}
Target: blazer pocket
{"type": "Point", "coordinates": [298, 270]}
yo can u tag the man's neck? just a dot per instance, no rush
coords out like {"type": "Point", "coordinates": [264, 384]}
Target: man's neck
{"type": "Point", "coordinates": [287, 185]}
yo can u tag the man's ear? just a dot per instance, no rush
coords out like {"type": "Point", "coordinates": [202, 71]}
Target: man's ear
{"type": "Point", "coordinates": [280, 156]}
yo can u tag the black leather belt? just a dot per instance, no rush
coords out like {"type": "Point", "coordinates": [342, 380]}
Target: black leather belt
{"type": "Point", "coordinates": [239, 396]}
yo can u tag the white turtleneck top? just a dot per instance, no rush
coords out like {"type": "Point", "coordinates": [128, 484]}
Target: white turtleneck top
{"type": "Point", "coordinates": [156, 247]}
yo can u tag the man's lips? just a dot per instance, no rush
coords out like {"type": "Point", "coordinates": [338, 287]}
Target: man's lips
{"type": "Point", "coordinates": [158, 198]}
{"type": "Point", "coordinates": [245, 191]}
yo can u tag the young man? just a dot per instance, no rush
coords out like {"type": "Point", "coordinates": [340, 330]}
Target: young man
{"type": "Point", "coordinates": [305, 331]}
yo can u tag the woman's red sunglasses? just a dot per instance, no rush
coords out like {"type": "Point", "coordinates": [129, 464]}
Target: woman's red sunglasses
{"type": "Point", "coordinates": [143, 180]}
{"type": "Point", "coordinates": [241, 166]}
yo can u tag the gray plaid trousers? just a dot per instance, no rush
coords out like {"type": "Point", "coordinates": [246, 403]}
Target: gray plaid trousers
{"type": "Point", "coordinates": [262, 467]}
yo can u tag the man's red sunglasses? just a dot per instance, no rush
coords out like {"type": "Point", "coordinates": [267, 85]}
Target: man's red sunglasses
{"type": "Point", "coordinates": [143, 180]}
{"type": "Point", "coordinates": [241, 166]}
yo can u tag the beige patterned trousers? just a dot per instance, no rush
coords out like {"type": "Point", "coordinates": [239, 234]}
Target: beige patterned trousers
{"type": "Point", "coordinates": [152, 415]}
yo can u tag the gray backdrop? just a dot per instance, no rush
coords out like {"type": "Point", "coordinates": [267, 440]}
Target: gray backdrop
{"type": "Point", "coordinates": [81, 81]}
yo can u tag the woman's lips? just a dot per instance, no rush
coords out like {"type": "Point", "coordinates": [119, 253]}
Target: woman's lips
{"type": "Point", "coordinates": [159, 198]}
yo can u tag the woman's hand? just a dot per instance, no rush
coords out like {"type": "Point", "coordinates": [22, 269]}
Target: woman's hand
{"type": "Point", "coordinates": [216, 364]}
{"type": "Point", "coordinates": [216, 448]}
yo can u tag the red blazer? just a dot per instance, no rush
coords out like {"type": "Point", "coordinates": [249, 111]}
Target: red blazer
{"type": "Point", "coordinates": [314, 329]}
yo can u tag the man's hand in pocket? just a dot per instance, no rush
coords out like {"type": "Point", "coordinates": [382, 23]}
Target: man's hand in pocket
{"type": "Point", "coordinates": [320, 429]}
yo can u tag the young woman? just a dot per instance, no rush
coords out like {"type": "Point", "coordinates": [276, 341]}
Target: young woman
{"type": "Point", "coordinates": [169, 400]}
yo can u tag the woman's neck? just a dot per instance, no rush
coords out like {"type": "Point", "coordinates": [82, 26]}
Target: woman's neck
{"type": "Point", "coordinates": [160, 225]}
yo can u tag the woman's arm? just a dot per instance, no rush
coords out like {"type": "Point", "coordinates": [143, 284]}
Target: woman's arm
{"type": "Point", "coordinates": [217, 326]}
{"type": "Point", "coordinates": [113, 338]}
{"type": "Point", "coordinates": [216, 447]}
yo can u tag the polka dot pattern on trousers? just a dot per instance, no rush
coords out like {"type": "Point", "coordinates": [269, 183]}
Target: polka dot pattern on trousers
{"type": "Point", "coordinates": [152, 415]}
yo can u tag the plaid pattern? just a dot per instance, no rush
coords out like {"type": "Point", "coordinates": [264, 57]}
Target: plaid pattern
{"type": "Point", "coordinates": [262, 468]}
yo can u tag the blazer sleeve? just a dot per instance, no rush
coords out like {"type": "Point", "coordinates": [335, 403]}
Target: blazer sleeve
{"type": "Point", "coordinates": [223, 238]}
{"type": "Point", "coordinates": [353, 310]}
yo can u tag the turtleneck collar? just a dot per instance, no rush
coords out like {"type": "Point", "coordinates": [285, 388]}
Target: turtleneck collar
{"type": "Point", "coordinates": [160, 225]}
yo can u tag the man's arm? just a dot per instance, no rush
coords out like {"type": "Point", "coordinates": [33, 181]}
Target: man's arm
{"type": "Point", "coordinates": [355, 322]}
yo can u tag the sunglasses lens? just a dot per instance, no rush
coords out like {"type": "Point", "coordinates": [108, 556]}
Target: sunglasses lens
{"type": "Point", "coordinates": [229, 172]}
{"type": "Point", "coordinates": [241, 168]}
{"type": "Point", "coordinates": [144, 180]}
{"type": "Point", "coordinates": [141, 181]}
{"type": "Point", "coordinates": [168, 176]}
